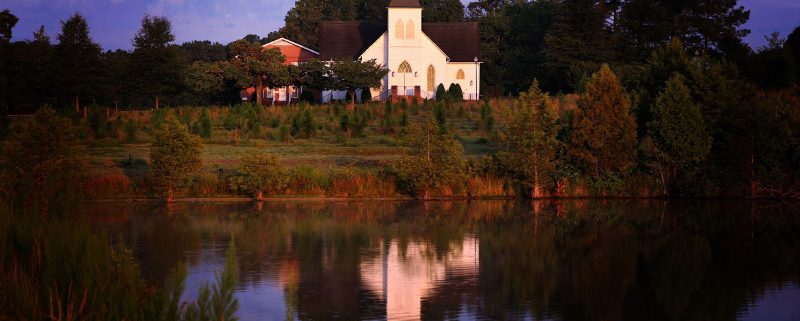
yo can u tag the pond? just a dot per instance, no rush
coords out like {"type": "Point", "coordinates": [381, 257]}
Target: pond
{"type": "Point", "coordinates": [479, 260]}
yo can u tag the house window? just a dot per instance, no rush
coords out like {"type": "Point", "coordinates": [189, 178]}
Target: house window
{"type": "Point", "coordinates": [268, 93]}
{"type": "Point", "coordinates": [460, 74]}
{"type": "Point", "coordinates": [431, 78]}
{"type": "Point", "coordinates": [296, 92]}
{"type": "Point", "coordinates": [410, 29]}
{"type": "Point", "coordinates": [398, 29]}
{"type": "Point", "coordinates": [405, 68]}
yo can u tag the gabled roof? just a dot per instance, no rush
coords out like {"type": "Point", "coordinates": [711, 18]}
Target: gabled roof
{"type": "Point", "coordinates": [347, 39]}
{"type": "Point", "coordinates": [276, 41]}
{"type": "Point", "coordinates": [460, 41]}
{"type": "Point", "coordinates": [404, 4]}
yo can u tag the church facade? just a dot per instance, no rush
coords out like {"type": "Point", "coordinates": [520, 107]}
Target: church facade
{"type": "Point", "coordinates": [419, 56]}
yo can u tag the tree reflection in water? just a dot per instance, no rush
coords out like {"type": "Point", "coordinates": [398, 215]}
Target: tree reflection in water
{"type": "Point", "coordinates": [568, 260]}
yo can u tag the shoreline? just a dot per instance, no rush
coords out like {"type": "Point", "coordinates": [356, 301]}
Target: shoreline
{"type": "Point", "coordinates": [432, 199]}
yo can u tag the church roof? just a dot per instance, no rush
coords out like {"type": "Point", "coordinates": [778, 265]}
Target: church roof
{"type": "Point", "coordinates": [404, 4]}
{"type": "Point", "coordinates": [459, 40]}
{"type": "Point", "coordinates": [349, 39]}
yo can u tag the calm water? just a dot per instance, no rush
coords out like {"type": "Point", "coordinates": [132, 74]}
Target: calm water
{"type": "Point", "coordinates": [480, 260]}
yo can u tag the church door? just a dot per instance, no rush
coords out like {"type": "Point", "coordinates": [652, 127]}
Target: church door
{"type": "Point", "coordinates": [405, 69]}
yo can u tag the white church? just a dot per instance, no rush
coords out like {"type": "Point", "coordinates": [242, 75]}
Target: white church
{"type": "Point", "coordinates": [419, 56]}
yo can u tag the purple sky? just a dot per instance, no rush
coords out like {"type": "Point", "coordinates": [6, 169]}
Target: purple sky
{"type": "Point", "coordinates": [113, 22]}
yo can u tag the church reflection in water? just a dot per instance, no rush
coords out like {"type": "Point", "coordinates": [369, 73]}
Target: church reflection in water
{"type": "Point", "coordinates": [403, 277]}
{"type": "Point", "coordinates": [488, 260]}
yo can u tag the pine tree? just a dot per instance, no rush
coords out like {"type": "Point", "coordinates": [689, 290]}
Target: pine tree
{"type": "Point", "coordinates": [577, 43]}
{"type": "Point", "coordinates": [174, 154]}
{"type": "Point", "coordinates": [677, 138]}
{"type": "Point", "coordinates": [602, 136]}
{"type": "Point", "coordinates": [156, 67]}
{"type": "Point", "coordinates": [77, 62]}
{"type": "Point", "coordinates": [532, 142]}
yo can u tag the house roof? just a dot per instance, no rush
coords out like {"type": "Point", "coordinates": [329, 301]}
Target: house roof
{"type": "Point", "coordinates": [460, 41]}
{"type": "Point", "coordinates": [279, 40]}
{"type": "Point", "coordinates": [404, 4]}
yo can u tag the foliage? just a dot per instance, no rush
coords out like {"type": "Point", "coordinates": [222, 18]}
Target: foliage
{"type": "Point", "coordinates": [436, 160]}
{"type": "Point", "coordinates": [602, 134]}
{"type": "Point", "coordinates": [261, 172]}
{"type": "Point", "coordinates": [206, 125]}
{"type": "Point", "coordinates": [441, 93]}
{"type": "Point", "coordinates": [677, 138]}
{"type": "Point", "coordinates": [218, 302]}
{"type": "Point", "coordinates": [532, 142]}
{"type": "Point", "coordinates": [174, 154]}
{"type": "Point", "coordinates": [77, 61]}
{"type": "Point", "coordinates": [455, 93]}
{"type": "Point", "coordinates": [43, 166]}
{"type": "Point", "coordinates": [349, 75]}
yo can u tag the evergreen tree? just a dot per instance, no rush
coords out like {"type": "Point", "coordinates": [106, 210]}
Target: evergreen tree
{"type": "Point", "coordinates": [77, 62]}
{"type": "Point", "coordinates": [577, 43]}
{"type": "Point", "coordinates": [441, 93]}
{"type": "Point", "coordinates": [602, 135]}
{"type": "Point", "coordinates": [174, 154]}
{"type": "Point", "coordinates": [156, 67]}
{"type": "Point", "coordinates": [677, 139]}
{"type": "Point", "coordinates": [532, 142]}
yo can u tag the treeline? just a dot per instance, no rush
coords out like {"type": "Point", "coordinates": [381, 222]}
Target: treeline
{"type": "Point", "coordinates": [562, 42]}
{"type": "Point", "coordinates": [74, 72]}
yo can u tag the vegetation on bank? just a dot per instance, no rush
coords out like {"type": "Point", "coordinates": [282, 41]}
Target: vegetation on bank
{"type": "Point", "coordinates": [586, 145]}
{"type": "Point", "coordinates": [54, 266]}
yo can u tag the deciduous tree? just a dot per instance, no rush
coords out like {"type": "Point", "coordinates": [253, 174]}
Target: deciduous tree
{"type": "Point", "coordinates": [260, 173]}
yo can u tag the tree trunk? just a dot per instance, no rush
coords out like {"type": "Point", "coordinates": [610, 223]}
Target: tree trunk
{"type": "Point", "coordinates": [259, 196]}
{"type": "Point", "coordinates": [85, 112]}
{"type": "Point", "coordinates": [77, 105]}
{"type": "Point", "coordinates": [170, 195]}
{"type": "Point", "coordinates": [156, 102]}
{"type": "Point", "coordinates": [259, 91]}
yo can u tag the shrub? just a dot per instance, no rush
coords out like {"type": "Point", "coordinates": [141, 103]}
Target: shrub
{"type": "Point", "coordinates": [305, 179]}
{"type": "Point", "coordinates": [131, 131]}
{"type": "Point", "coordinates": [206, 125]}
{"type": "Point", "coordinates": [441, 93]}
{"type": "Point", "coordinates": [455, 93]}
{"type": "Point", "coordinates": [261, 172]}
{"type": "Point", "coordinates": [366, 96]}
{"type": "Point", "coordinates": [437, 160]}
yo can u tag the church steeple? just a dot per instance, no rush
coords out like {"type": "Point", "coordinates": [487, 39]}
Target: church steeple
{"type": "Point", "coordinates": [404, 4]}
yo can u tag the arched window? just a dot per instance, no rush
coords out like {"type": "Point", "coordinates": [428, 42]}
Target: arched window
{"type": "Point", "coordinates": [460, 74]}
{"type": "Point", "coordinates": [398, 29]}
{"type": "Point", "coordinates": [410, 29]}
{"type": "Point", "coordinates": [431, 78]}
{"type": "Point", "coordinates": [405, 68]}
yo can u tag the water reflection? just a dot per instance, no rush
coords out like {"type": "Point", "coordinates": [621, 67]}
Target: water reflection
{"type": "Point", "coordinates": [493, 260]}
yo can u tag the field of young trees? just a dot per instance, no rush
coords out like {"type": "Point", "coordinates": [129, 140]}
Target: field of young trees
{"type": "Point", "coordinates": [680, 107]}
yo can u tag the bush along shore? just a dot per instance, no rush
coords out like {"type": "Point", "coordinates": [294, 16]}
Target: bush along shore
{"type": "Point", "coordinates": [538, 146]}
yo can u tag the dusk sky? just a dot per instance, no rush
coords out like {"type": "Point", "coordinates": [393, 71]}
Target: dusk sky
{"type": "Point", "coordinates": [114, 22]}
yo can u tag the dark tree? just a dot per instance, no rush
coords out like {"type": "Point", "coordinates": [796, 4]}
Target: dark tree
{"type": "Point", "coordinates": [204, 50]}
{"type": "Point", "coordinates": [442, 10]}
{"type": "Point", "coordinates": [577, 44]}
{"type": "Point", "coordinates": [76, 62]}
{"type": "Point", "coordinates": [7, 23]}
{"type": "Point", "coordinates": [156, 67]}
